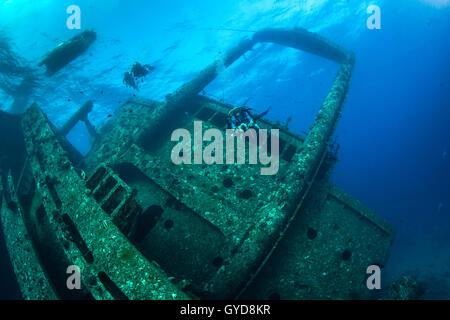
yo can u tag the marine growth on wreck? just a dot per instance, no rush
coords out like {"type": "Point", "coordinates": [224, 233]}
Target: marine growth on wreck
{"type": "Point", "coordinates": [183, 195]}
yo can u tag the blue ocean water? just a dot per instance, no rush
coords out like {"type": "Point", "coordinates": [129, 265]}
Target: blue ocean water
{"type": "Point", "coordinates": [394, 134]}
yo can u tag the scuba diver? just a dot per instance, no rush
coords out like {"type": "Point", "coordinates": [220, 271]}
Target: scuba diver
{"type": "Point", "coordinates": [128, 80]}
{"type": "Point", "coordinates": [241, 118]}
{"type": "Point", "coordinates": [137, 71]}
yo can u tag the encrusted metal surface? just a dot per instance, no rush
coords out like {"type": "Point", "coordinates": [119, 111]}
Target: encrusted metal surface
{"type": "Point", "coordinates": [141, 227]}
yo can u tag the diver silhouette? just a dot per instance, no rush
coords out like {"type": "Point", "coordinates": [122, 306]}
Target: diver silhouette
{"type": "Point", "coordinates": [242, 118]}
{"type": "Point", "coordinates": [138, 71]}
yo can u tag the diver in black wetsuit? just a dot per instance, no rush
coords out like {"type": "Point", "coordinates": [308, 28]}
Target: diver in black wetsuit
{"type": "Point", "coordinates": [241, 118]}
{"type": "Point", "coordinates": [128, 80]}
{"type": "Point", "coordinates": [137, 71]}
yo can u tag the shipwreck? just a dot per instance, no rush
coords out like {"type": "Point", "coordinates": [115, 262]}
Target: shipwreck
{"type": "Point", "coordinates": [140, 227]}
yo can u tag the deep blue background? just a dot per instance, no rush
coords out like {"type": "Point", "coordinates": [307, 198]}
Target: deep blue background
{"type": "Point", "coordinates": [395, 133]}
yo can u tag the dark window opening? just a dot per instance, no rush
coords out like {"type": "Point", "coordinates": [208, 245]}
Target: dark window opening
{"type": "Point", "coordinates": [54, 195]}
{"type": "Point", "coordinates": [168, 224]}
{"type": "Point", "coordinates": [114, 201]}
{"type": "Point", "coordinates": [312, 234]}
{"type": "Point", "coordinates": [96, 178]}
{"type": "Point", "coordinates": [146, 221]}
{"type": "Point", "coordinates": [105, 189]}
{"type": "Point", "coordinates": [77, 239]}
{"type": "Point", "coordinates": [112, 288]}
{"type": "Point", "coordinates": [346, 255]}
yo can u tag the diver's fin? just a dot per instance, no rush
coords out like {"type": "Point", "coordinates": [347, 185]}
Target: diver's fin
{"type": "Point", "coordinates": [261, 115]}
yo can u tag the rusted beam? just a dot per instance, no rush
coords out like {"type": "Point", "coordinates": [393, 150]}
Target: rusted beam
{"type": "Point", "coordinates": [304, 40]}
{"type": "Point", "coordinates": [95, 243]}
{"type": "Point", "coordinates": [80, 115]}
{"type": "Point", "coordinates": [317, 141]}
{"type": "Point", "coordinates": [178, 103]}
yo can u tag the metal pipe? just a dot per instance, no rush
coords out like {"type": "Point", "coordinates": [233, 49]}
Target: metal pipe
{"type": "Point", "coordinates": [304, 40]}
{"type": "Point", "coordinates": [317, 141]}
{"type": "Point", "coordinates": [178, 102]}
{"type": "Point", "coordinates": [80, 115]}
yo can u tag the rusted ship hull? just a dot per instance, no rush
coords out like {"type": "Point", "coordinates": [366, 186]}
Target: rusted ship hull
{"type": "Point", "coordinates": [141, 227]}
